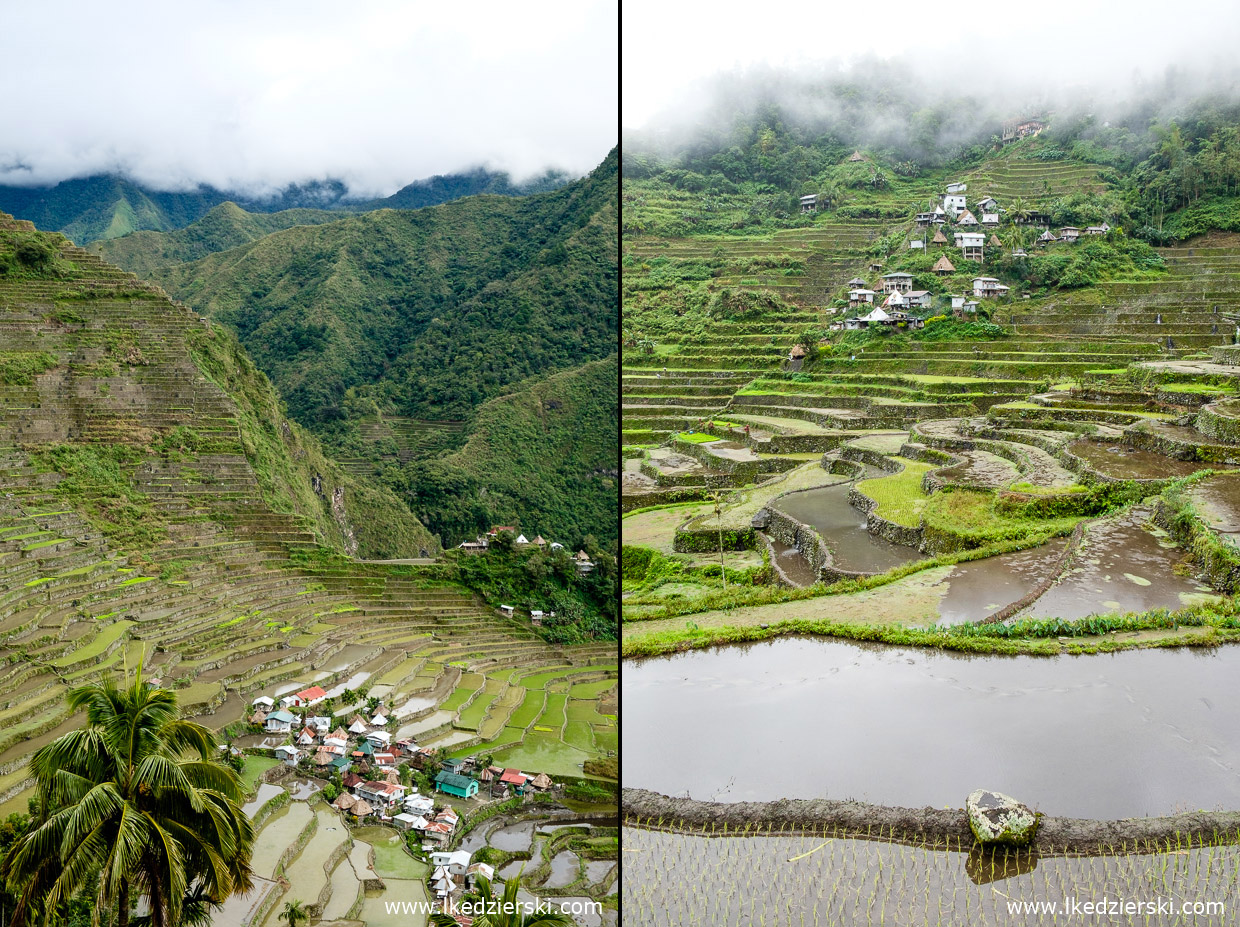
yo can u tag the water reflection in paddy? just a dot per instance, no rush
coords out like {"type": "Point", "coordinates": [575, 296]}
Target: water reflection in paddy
{"type": "Point", "coordinates": [1108, 736]}
{"type": "Point", "coordinates": [1130, 463]}
{"type": "Point", "coordinates": [842, 527]}
{"type": "Point", "coordinates": [1121, 566]}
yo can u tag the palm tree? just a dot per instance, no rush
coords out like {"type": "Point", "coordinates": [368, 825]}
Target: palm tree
{"type": "Point", "coordinates": [507, 912]}
{"type": "Point", "coordinates": [294, 913]}
{"type": "Point", "coordinates": [138, 799]}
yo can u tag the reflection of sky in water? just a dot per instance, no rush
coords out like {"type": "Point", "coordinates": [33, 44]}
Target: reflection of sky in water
{"type": "Point", "coordinates": [1135, 733]}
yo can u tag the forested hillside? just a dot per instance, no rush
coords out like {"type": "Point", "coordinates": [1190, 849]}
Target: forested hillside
{"type": "Point", "coordinates": [107, 206]}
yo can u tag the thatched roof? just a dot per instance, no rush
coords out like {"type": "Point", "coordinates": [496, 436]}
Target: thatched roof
{"type": "Point", "coordinates": [344, 801]}
{"type": "Point", "coordinates": [944, 265]}
{"type": "Point", "coordinates": [856, 156]}
{"type": "Point", "coordinates": [939, 238]}
{"type": "Point", "coordinates": [361, 808]}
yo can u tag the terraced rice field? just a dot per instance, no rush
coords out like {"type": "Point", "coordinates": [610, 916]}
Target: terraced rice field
{"type": "Point", "coordinates": [974, 456]}
{"type": "Point", "coordinates": [144, 519]}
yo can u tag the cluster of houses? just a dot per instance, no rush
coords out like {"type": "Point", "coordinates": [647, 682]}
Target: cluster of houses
{"type": "Point", "coordinates": [581, 560]}
{"type": "Point", "coordinates": [892, 302]}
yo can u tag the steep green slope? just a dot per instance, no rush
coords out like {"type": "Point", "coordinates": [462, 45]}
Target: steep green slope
{"type": "Point", "coordinates": [539, 459]}
{"type": "Point", "coordinates": [129, 385]}
{"type": "Point", "coordinates": [225, 226]}
{"type": "Point", "coordinates": [433, 310]}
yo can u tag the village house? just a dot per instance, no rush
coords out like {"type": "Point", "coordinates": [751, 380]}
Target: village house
{"type": "Point", "coordinates": [970, 245]}
{"type": "Point", "coordinates": [988, 288]}
{"type": "Point", "coordinates": [943, 266]}
{"type": "Point", "coordinates": [1017, 129]}
{"type": "Point", "coordinates": [953, 204]}
{"type": "Point", "coordinates": [918, 299]}
{"type": "Point", "coordinates": [1069, 233]}
{"type": "Point", "coordinates": [966, 218]}
{"type": "Point", "coordinates": [897, 281]}
{"type": "Point", "coordinates": [407, 821]}
{"type": "Point", "coordinates": [266, 702]}
{"type": "Point", "coordinates": [478, 546]}
{"type": "Point", "coordinates": [856, 156]}
{"type": "Point", "coordinates": [1098, 229]}
{"type": "Point", "coordinates": [453, 784]}
{"type": "Point", "coordinates": [279, 722]}
{"type": "Point", "coordinates": [358, 726]}
{"type": "Point", "coordinates": [456, 862]}
{"type": "Point", "coordinates": [987, 204]}
{"type": "Point", "coordinates": [916, 244]}
{"type": "Point", "coordinates": [957, 187]}
{"type": "Point", "coordinates": [477, 870]}
{"type": "Point", "coordinates": [809, 202]}
{"type": "Point", "coordinates": [419, 804]}
{"type": "Point", "coordinates": [514, 779]}
{"type": "Point", "coordinates": [939, 238]}
{"type": "Point", "coordinates": [923, 219]}
{"type": "Point", "coordinates": [990, 220]}
{"type": "Point", "coordinates": [1046, 238]}
{"type": "Point", "coordinates": [856, 283]}
{"type": "Point", "coordinates": [381, 794]}
{"type": "Point", "coordinates": [307, 737]}
{"type": "Point", "coordinates": [288, 755]}
{"type": "Point", "coordinates": [583, 563]}
{"type": "Point", "coordinates": [437, 832]}
{"type": "Point", "coordinates": [860, 297]}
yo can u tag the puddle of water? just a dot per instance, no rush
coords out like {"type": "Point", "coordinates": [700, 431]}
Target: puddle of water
{"type": "Point", "coordinates": [1120, 566]}
{"type": "Point", "coordinates": [564, 870]}
{"type": "Point", "coordinates": [513, 869]}
{"type": "Point", "coordinates": [979, 588]}
{"type": "Point", "coordinates": [1107, 736]}
{"type": "Point", "coordinates": [826, 509]}
{"type": "Point", "coordinates": [1129, 463]}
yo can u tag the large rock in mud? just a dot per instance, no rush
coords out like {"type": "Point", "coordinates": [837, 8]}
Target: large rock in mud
{"type": "Point", "coordinates": [996, 818]}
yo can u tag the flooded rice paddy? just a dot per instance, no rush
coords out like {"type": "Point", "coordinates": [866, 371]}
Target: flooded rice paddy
{"type": "Point", "coordinates": [675, 879]}
{"type": "Point", "coordinates": [1121, 566]}
{"type": "Point", "coordinates": [842, 527]}
{"type": "Point", "coordinates": [1108, 736]}
{"type": "Point", "coordinates": [979, 588]}
{"type": "Point", "coordinates": [1128, 463]}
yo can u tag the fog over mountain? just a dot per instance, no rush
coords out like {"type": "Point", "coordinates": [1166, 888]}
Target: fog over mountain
{"type": "Point", "coordinates": [869, 71]}
{"type": "Point", "coordinates": [253, 97]}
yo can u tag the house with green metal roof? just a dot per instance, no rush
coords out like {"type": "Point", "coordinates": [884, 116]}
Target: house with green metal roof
{"type": "Point", "coordinates": [453, 784]}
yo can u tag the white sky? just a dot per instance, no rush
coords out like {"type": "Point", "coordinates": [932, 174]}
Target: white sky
{"type": "Point", "coordinates": [254, 94]}
{"type": "Point", "coordinates": [670, 47]}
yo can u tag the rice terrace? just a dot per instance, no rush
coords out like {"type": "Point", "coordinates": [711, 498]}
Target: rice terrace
{"type": "Point", "coordinates": [158, 511]}
{"type": "Point", "coordinates": [931, 493]}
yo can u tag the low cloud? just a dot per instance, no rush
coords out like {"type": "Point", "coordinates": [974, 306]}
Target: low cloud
{"type": "Point", "coordinates": [252, 97]}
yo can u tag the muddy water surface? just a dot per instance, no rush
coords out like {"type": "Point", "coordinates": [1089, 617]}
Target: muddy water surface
{"type": "Point", "coordinates": [1135, 733]}
{"type": "Point", "coordinates": [1129, 463]}
{"type": "Point", "coordinates": [979, 588]}
{"type": "Point", "coordinates": [1120, 566]}
{"type": "Point", "coordinates": [827, 511]}
{"type": "Point", "coordinates": [793, 564]}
